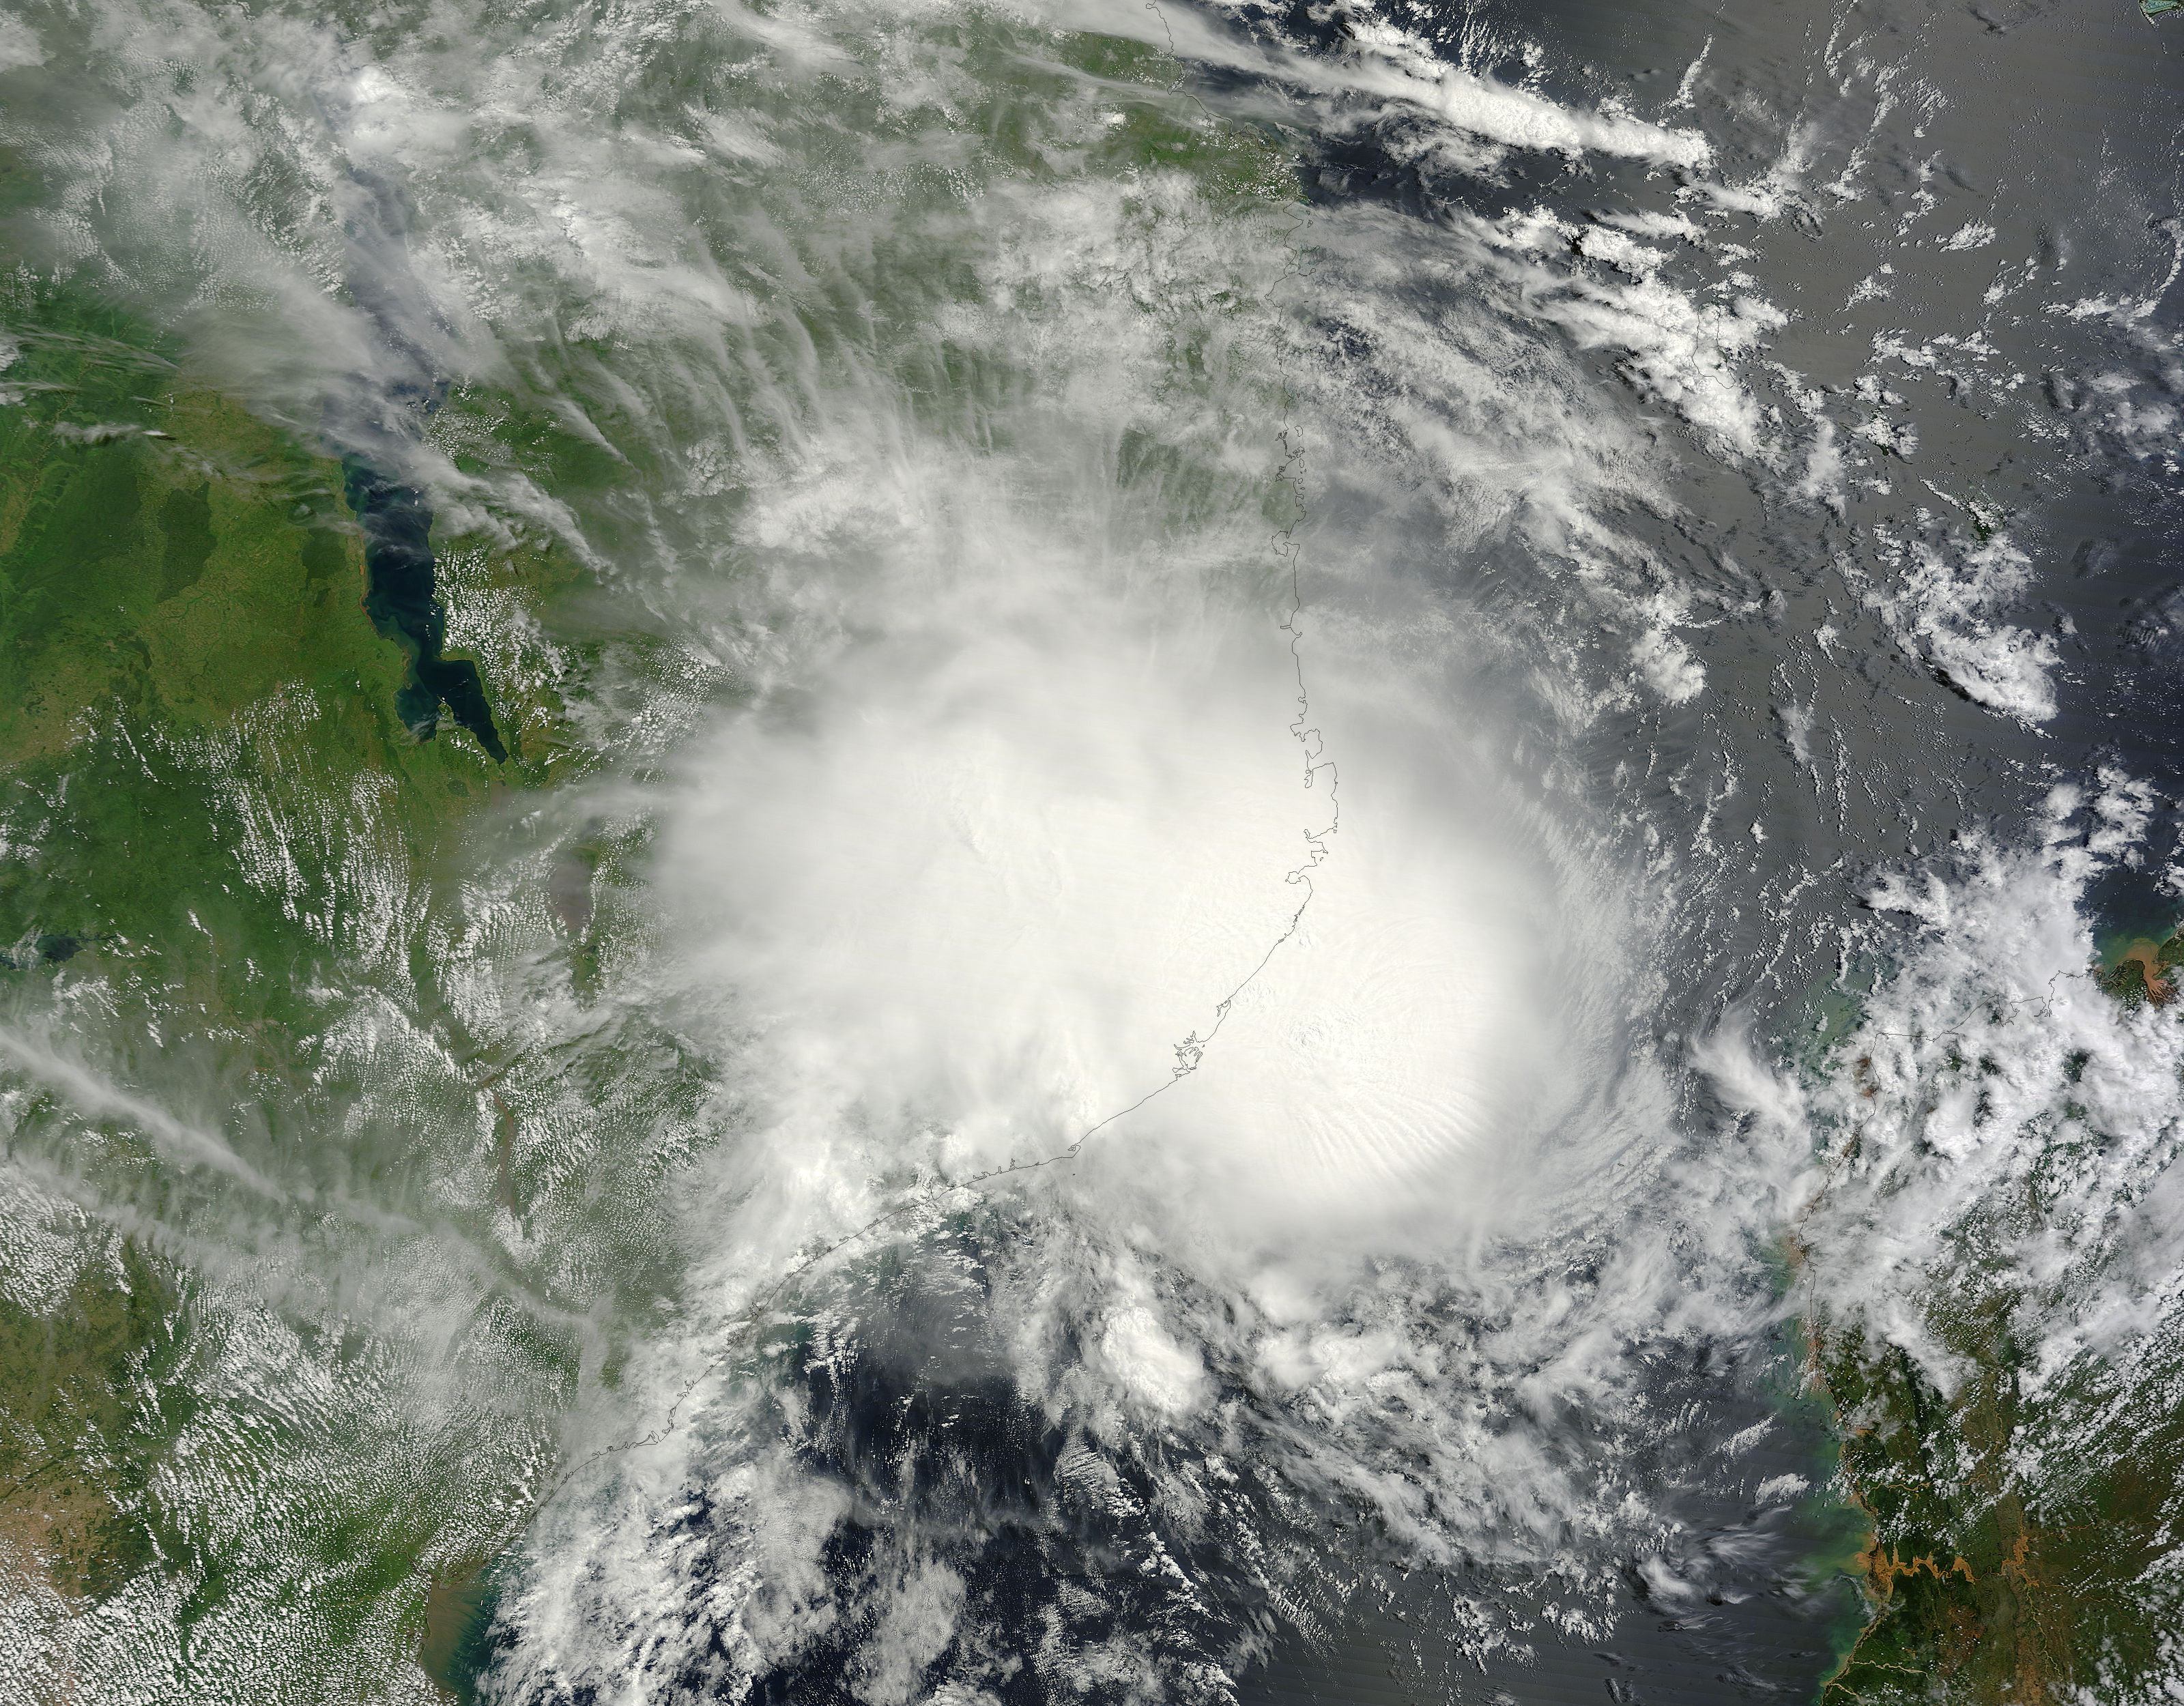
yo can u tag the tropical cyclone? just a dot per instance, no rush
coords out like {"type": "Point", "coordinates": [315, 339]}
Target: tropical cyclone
{"type": "Point", "coordinates": [897, 1146]}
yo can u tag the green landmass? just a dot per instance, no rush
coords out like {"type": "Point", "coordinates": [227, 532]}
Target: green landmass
{"type": "Point", "coordinates": [93, 1394]}
{"type": "Point", "coordinates": [163, 552]}
{"type": "Point", "coordinates": [297, 1403]}
{"type": "Point", "coordinates": [2137, 970]}
{"type": "Point", "coordinates": [215, 832]}
{"type": "Point", "coordinates": [1985, 1589]}
{"type": "Point", "coordinates": [2011, 1543]}
{"type": "Point", "coordinates": [1230, 161]}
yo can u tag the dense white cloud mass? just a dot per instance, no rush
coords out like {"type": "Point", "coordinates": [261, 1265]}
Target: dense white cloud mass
{"type": "Point", "coordinates": [1198, 687]}
{"type": "Point", "coordinates": [1026, 855]}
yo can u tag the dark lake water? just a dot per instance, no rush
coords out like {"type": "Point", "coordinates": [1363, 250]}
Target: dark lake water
{"type": "Point", "coordinates": [377, 423]}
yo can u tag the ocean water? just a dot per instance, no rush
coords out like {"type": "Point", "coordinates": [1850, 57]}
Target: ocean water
{"type": "Point", "coordinates": [1286, 788]}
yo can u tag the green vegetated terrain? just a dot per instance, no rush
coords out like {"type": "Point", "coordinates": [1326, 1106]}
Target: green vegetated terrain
{"type": "Point", "coordinates": [334, 1161]}
{"type": "Point", "coordinates": [95, 1395]}
{"type": "Point", "coordinates": [309, 1248]}
{"type": "Point", "coordinates": [1986, 1588]}
{"type": "Point", "coordinates": [164, 553]}
{"type": "Point", "coordinates": [1229, 160]}
{"type": "Point", "coordinates": [181, 621]}
{"type": "Point", "coordinates": [2011, 1541]}
{"type": "Point", "coordinates": [220, 843]}
{"type": "Point", "coordinates": [2139, 971]}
